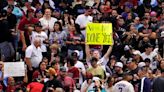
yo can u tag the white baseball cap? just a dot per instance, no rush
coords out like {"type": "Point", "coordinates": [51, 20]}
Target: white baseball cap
{"type": "Point", "coordinates": [162, 34]}
{"type": "Point", "coordinates": [141, 64]}
{"type": "Point", "coordinates": [119, 64]}
{"type": "Point", "coordinates": [77, 52]}
{"type": "Point", "coordinates": [137, 52]}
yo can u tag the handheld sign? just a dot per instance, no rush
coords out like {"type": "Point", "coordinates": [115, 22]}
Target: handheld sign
{"type": "Point", "coordinates": [99, 34]}
{"type": "Point", "coordinates": [14, 69]}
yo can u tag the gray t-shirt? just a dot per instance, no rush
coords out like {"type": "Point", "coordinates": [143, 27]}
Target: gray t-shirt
{"type": "Point", "coordinates": [158, 84]}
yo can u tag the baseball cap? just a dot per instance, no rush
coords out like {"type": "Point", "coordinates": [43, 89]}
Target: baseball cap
{"type": "Point", "coordinates": [66, 12]}
{"type": "Point", "coordinates": [130, 60]}
{"type": "Point", "coordinates": [30, 10]}
{"type": "Point", "coordinates": [57, 10]}
{"type": "Point", "coordinates": [38, 24]}
{"type": "Point", "coordinates": [148, 45]}
{"type": "Point", "coordinates": [162, 34]}
{"type": "Point", "coordinates": [63, 69]}
{"type": "Point", "coordinates": [141, 64]}
{"type": "Point", "coordinates": [137, 52]}
{"type": "Point", "coordinates": [128, 4]}
{"type": "Point", "coordinates": [119, 64]}
{"type": "Point", "coordinates": [38, 11]}
{"type": "Point", "coordinates": [76, 52]}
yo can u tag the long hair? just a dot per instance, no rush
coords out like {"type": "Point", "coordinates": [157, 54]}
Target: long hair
{"type": "Point", "coordinates": [60, 25]}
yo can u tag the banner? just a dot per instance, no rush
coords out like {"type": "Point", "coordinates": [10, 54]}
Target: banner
{"type": "Point", "coordinates": [99, 34]}
{"type": "Point", "coordinates": [14, 69]}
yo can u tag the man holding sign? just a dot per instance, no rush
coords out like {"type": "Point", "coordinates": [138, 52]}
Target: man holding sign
{"type": "Point", "coordinates": [98, 34]}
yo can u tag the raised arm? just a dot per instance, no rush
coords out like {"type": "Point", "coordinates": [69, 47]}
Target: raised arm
{"type": "Point", "coordinates": [106, 56]}
{"type": "Point", "coordinates": [87, 51]}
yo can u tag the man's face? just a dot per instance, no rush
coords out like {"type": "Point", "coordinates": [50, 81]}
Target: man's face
{"type": "Point", "coordinates": [114, 13]}
{"type": "Point", "coordinates": [31, 14]}
{"type": "Point", "coordinates": [48, 12]}
{"type": "Point", "coordinates": [127, 9]}
{"type": "Point", "coordinates": [96, 54]}
{"type": "Point", "coordinates": [149, 49]}
{"type": "Point", "coordinates": [162, 5]}
{"type": "Point", "coordinates": [117, 69]}
{"type": "Point", "coordinates": [9, 10]}
{"type": "Point", "coordinates": [137, 20]}
{"type": "Point", "coordinates": [130, 65]}
{"type": "Point", "coordinates": [93, 63]}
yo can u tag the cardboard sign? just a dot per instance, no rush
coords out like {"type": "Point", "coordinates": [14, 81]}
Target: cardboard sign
{"type": "Point", "coordinates": [14, 69]}
{"type": "Point", "coordinates": [99, 34]}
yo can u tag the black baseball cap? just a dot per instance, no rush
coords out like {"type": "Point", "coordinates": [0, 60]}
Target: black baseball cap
{"type": "Point", "coordinates": [38, 24]}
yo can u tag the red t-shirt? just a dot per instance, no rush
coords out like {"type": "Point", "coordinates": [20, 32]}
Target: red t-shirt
{"type": "Point", "coordinates": [35, 87]}
{"type": "Point", "coordinates": [74, 72]}
{"type": "Point", "coordinates": [24, 23]}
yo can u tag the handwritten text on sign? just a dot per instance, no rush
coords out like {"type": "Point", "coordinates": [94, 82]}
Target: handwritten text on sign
{"type": "Point", "coordinates": [14, 69]}
{"type": "Point", "coordinates": [99, 34]}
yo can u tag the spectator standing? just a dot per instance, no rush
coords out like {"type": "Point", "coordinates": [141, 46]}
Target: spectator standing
{"type": "Point", "coordinates": [158, 82]}
{"type": "Point", "coordinates": [16, 11]}
{"type": "Point", "coordinates": [33, 56]}
{"type": "Point", "coordinates": [85, 18]}
{"type": "Point", "coordinates": [26, 24]}
{"type": "Point", "coordinates": [47, 21]}
{"type": "Point", "coordinates": [75, 40]}
{"type": "Point", "coordinates": [145, 83]}
{"type": "Point", "coordinates": [39, 33]}
{"type": "Point", "coordinates": [7, 50]}
{"type": "Point", "coordinates": [124, 85]}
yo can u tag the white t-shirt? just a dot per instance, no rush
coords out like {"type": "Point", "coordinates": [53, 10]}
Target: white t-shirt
{"type": "Point", "coordinates": [35, 55]}
{"type": "Point", "coordinates": [48, 23]}
{"type": "Point", "coordinates": [123, 86]}
{"type": "Point", "coordinates": [81, 66]}
{"type": "Point", "coordinates": [42, 36]}
{"type": "Point", "coordinates": [150, 56]}
{"type": "Point", "coordinates": [82, 20]}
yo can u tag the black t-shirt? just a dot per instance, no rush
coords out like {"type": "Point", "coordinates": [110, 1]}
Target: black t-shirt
{"type": "Point", "coordinates": [145, 30]}
{"type": "Point", "coordinates": [12, 20]}
{"type": "Point", "coordinates": [52, 83]}
{"type": "Point", "coordinates": [5, 34]}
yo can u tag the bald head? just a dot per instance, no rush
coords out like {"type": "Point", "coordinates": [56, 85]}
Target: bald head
{"type": "Point", "coordinates": [37, 42]}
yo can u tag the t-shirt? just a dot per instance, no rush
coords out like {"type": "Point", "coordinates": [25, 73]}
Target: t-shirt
{"type": "Point", "coordinates": [35, 55]}
{"type": "Point", "coordinates": [24, 23]}
{"type": "Point", "coordinates": [48, 23]}
{"type": "Point", "coordinates": [59, 36]}
{"type": "Point", "coordinates": [81, 66]}
{"type": "Point", "coordinates": [144, 85]}
{"type": "Point", "coordinates": [35, 87]}
{"type": "Point", "coordinates": [150, 56]}
{"type": "Point", "coordinates": [123, 86]}
{"type": "Point", "coordinates": [82, 20]}
{"type": "Point", "coordinates": [98, 71]}
{"type": "Point", "coordinates": [74, 72]}
{"type": "Point", "coordinates": [158, 84]}
{"type": "Point", "coordinates": [145, 30]}
{"type": "Point", "coordinates": [42, 36]}
{"type": "Point", "coordinates": [75, 37]}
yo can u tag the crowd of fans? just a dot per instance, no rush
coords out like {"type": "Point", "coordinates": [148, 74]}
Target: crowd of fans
{"type": "Point", "coordinates": [49, 36]}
